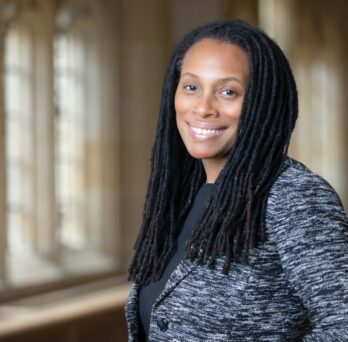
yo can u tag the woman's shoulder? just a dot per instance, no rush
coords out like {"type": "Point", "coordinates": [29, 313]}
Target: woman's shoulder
{"type": "Point", "coordinates": [300, 197]}
{"type": "Point", "coordinates": [297, 182]}
{"type": "Point", "coordinates": [303, 206]}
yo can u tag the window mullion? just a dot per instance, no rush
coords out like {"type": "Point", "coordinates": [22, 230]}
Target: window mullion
{"type": "Point", "coordinates": [44, 139]}
{"type": "Point", "coordinates": [3, 237]}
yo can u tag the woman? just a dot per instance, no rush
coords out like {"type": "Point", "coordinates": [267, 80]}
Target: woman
{"type": "Point", "coordinates": [238, 242]}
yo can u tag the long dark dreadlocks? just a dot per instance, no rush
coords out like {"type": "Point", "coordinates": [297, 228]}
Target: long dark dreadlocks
{"type": "Point", "coordinates": [234, 219]}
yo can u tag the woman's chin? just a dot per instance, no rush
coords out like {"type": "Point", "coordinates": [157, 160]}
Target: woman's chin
{"type": "Point", "coordinates": [204, 154]}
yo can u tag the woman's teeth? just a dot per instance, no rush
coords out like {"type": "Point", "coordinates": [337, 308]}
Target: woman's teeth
{"type": "Point", "coordinates": [207, 132]}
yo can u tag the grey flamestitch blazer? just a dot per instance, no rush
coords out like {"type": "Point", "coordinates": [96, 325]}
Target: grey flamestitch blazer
{"type": "Point", "coordinates": [294, 289]}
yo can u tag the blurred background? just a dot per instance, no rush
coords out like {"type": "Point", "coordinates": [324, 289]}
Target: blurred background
{"type": "Point", "coordinates": [79, 98]}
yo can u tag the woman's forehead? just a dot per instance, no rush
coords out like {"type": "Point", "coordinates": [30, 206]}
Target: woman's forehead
{"type": "Point", "coordinates": [214, 56]}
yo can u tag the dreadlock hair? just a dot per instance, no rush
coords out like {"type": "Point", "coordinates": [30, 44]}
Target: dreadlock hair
{"type": "Point", "coordinates": [233, 221]}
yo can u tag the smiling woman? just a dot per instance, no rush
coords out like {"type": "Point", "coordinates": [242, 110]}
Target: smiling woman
{"type": "Point", "coordinates": [239, 242]}
{"type": "Point", "coordinates": [208, 101]}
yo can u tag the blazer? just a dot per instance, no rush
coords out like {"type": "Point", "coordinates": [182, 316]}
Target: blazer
{"type": "Point", "coordinates": [295, 287]}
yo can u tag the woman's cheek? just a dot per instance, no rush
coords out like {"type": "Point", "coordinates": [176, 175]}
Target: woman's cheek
{"type": "Point", "coordinates": [180, 104]}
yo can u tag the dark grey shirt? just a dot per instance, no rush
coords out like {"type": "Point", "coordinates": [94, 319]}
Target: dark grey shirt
{"type": "Point", "coordinates": [149, 293]}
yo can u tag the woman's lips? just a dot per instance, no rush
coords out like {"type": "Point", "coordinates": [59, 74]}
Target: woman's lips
{"type": "Point", "coordinates": [206, 133]}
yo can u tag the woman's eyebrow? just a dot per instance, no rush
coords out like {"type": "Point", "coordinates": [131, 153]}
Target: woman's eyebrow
{"type": "Point", "coordinates": [189, 74]}
{"type": "Point", "coordinates": [231, 78]}
{"type": "Point", "coordinates": [225, 79]}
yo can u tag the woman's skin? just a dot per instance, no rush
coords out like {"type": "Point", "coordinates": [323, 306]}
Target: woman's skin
{"type": "Point", "coordinates": [208, 101]}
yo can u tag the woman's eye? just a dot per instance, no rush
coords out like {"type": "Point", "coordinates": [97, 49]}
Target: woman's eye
{"type": "Point", "coordinates": [190, 88]}
{"type": "Point", "coordinates": [228, 92]}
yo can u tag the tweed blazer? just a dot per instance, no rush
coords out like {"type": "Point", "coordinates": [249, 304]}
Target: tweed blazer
{"type": "Point", "coordinates": [295, 287]}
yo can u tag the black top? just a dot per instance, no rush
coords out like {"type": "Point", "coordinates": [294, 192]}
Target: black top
{"type": "Point", "coordinates": [148, 293]}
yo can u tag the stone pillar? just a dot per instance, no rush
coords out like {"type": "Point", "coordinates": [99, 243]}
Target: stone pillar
{"type": "Point", "coordinates": [2, 162]}
{"type": "Point", "coordinates": [143, 51]}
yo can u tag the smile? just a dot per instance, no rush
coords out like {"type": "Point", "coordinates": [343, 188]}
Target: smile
{"type": "Point", "coordinates": [204, 133]}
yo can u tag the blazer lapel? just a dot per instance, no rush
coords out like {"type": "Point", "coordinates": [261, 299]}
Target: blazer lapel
{"type": "Point", "coordinates": [183, 269]}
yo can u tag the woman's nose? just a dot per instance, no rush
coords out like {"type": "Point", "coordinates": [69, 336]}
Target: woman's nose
{"type": "Point", "coordinates": [205, 106]}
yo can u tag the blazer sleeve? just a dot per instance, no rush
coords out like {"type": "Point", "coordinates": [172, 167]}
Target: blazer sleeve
{"type": "Point", "coordinates": [310, 229]}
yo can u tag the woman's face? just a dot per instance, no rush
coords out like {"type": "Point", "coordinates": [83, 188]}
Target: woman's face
{"type": "Point", "coordinates": [209, 97]}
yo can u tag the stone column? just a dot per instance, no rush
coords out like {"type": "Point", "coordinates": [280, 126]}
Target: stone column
{"type": "Point", "coordinates": [2, 162]}
{"type": "Point", "coordinates": [143, 51]}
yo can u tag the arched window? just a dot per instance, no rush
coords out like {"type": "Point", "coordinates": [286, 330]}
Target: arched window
{"type": "Point", "coordinates": [85, 202]}
{"type": "Point", "coordinates": [60, 146]}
